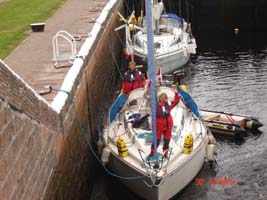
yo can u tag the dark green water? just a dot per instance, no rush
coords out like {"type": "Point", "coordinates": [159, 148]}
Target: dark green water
{"type": "Point", "coordinates": [230, 74]}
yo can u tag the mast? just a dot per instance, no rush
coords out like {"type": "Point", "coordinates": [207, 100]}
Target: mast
{"type": "Point", "coordinates": [156, 20]}
{"type": "Point", "coordinates": [151, 70]}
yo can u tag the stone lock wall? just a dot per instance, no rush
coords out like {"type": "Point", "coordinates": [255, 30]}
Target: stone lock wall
{"type": "Point", "coordinates": [27, 125]}
{"type": "Point", "coordinates": [43, 154]}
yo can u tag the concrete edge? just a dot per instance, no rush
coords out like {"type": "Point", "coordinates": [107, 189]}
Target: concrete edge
{"type": "Point", "coordinates": [69, 80]}
{"type": "Point", "coordinates": [26, 84]}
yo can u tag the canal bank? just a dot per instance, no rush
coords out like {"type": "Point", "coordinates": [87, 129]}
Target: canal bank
{"type": "Point", "coordinates": [43, 151]}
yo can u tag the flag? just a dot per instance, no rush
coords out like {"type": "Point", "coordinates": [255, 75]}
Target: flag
{"type": "Point", "coordinates": [159, 76]}
{"type": "Point", "coordinates": [127, 53]}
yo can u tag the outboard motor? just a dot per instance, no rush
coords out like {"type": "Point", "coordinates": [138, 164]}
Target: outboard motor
{"type": "Point", "coordinates": [179, 76]}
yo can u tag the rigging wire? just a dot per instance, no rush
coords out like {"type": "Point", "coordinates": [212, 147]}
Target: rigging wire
{"type": "Point", "coordinates": [133, 8]}
{"type": "Point", "coordinates": [142, 7]}
{"type": "Point", "coordinates": [172, 5]}
{"type": "Point", "coordinates": [127, 6]}
{"type": "Point", "coordinates": [115, 61]}
{"type": "Point", "coordinates": [187, 11]}
{"type": "Point", "coordinates": [122, 43]}
{"type": "Point", "coordinates": [84, 133]}
{"type": "Point", "coordinates": [180, 9]}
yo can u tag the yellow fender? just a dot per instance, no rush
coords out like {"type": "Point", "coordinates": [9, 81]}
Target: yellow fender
{"type": "Point", "coordinates": [188, 144]}
{"type": "Point", "coordinates": [122, 148]}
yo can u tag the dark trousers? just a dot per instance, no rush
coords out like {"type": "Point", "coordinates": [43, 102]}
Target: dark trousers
{"type": "Point", "coordinates": [165, 144]}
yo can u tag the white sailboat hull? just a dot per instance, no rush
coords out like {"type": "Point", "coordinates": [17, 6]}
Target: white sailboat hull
{"type": "Point", "coordinates": [169, 62]}
{"type": "Point", "coordinates": [171, 175]}
{"type": "Point", "coordinates": [172, 183]}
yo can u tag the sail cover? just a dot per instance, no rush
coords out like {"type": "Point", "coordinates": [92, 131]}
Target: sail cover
{"type": "Point", "coordinates": [120, 101]}
{"type": "Point", "coordinates": [189, 102]}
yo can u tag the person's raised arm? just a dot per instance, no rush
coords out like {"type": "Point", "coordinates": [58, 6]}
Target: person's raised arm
{"type": "Point", "coordinates": [176, 99]}
{"type": "Point", "coordinates": [142, 80]}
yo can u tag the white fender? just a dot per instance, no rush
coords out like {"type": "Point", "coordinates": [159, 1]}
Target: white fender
{"type": "Point", "coordinates": [185, 51]}
{"type": "Point", "coordinates": [191, 48]}
{"type": "Point", "coordinates": [211, 152]}
{"type": "Point", "coordinates": [105, 155]}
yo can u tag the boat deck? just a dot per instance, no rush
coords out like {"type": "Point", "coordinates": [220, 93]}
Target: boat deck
{"type": "Point", "coordinates": [139, 139]}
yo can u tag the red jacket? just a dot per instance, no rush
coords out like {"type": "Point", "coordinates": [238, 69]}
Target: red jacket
{"type": "Point", "coordinates": [132, 81]}
{"type": "Point", "coordinates": [164, 118]}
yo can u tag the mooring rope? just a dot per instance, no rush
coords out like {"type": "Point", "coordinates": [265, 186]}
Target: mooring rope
{"type": "Point", "coordinates": [84, 133]}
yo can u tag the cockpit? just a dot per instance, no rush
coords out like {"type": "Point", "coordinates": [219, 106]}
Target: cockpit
{"type": "Point", "coordinates": [167, 23]}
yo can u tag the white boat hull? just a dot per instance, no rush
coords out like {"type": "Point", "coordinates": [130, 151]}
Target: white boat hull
{"type": "Point", "coordinates": [172, 183]}
{"type": "Point", "coordinates": [169, 62]}
{"type": "Point", "coordinates": [171, 176]}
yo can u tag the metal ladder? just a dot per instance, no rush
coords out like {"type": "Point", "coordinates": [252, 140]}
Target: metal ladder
{"type": "Point", "coordinates": [64, 48]}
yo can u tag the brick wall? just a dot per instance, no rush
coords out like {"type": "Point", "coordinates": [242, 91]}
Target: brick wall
{"type": "Point", "coordinates": [43, 154]}
{"type": "Point", "coordinates": [26, 128]}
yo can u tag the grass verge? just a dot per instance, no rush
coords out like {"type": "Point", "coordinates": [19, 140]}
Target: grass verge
{"type": "Point", "coordinates": [16, 17]}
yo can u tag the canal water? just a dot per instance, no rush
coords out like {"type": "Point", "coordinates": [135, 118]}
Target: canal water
{"type": "Point", "coordinates": [231, 75]}
{"type": "Point", "coordinates": [227, 74]}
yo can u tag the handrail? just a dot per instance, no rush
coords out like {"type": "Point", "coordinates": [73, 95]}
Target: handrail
{"type": "Point", "coordinates": [56, 47]}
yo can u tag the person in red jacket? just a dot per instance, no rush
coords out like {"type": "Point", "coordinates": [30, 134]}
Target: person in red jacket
{"type": "Point", "coordinates": [133, 79]}
{"type": "Point", "coordinates": [164, 120]}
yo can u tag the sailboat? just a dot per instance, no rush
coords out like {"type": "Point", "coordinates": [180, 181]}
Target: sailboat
{"type": "Point", "coordinates": [131, 129]}
{"type": "Point", "coordinates": [173, 40]}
